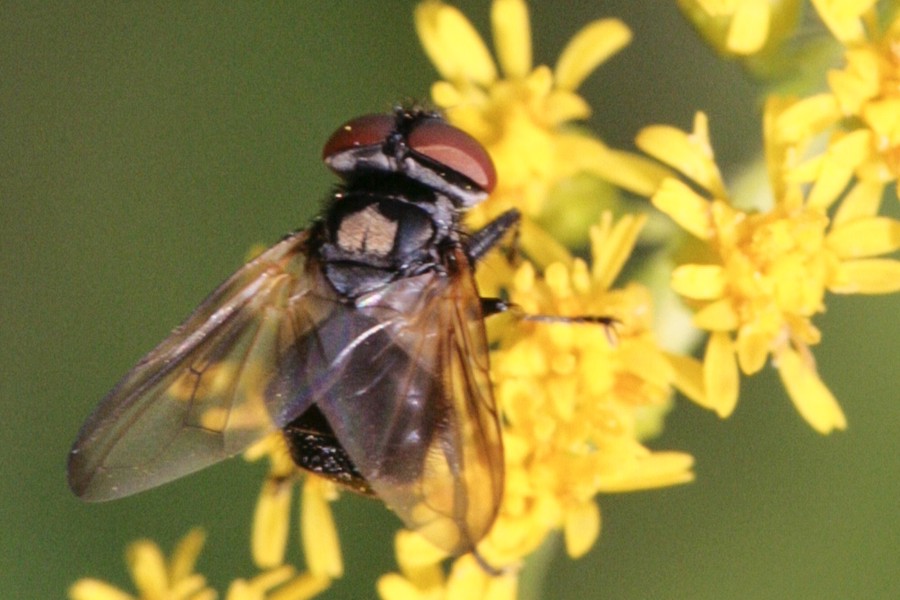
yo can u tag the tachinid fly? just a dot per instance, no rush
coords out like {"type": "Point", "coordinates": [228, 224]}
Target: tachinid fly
{"type": "Point", "coordinates": [360, 338]}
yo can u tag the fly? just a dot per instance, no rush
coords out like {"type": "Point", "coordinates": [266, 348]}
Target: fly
{"type": "Point", "coordinates": [361, 339]}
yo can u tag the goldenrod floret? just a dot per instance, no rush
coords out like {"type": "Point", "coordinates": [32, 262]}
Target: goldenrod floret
{"type": "Point", "coordinates": [521, 116]}
{"type": "Point", "coordinates": [770, 270]}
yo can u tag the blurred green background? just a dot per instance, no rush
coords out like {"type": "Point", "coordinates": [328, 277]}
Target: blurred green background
{"type": "Point", "coordinates": [145, 148]}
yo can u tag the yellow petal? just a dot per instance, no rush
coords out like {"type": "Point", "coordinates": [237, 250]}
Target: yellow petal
{"type": "Point", "coordinates": [687, 208]}
{"type": "Point", "coordinates": [581, 528]}
{"type": "Point", "coordinates": [717, 316]}
{"type": "Point", "coordinates": [689, 378]}
{"type": "Point", "coordinates": [749, 27]}
{"type": "Point", "coordinates": [239, 589]}
{"type": "Point", "coordinates": [261, 448]}
{"type": "Point", "coordinates": [753, 347]}
{"type": "Point", "coordinates": [446, 94]}
{"type": "Point", "coordinates": [193, 587]}
{"type": "Point", "coordinates": [556, 276]}
{"type": "Point", "coordinates": [271, 523]}
{"type": "Point", "coordinates": [710, 18]}
{"type": "Point", "coordinates": [858, 82]}
{"type": "Point", "coordinates": [540, 81]}
{"type": "Point", "coordinates": [843, 18]}
{"type": "Point", "coordinates": [207, 594]}
{"type": "Point", "coordinates": [862, 201]}
{"type": "Point", "coordinates": [512, 36]}
{"type": "Point", "coordinates": [452, 44]}
{"type": "Point", "coordinates": [257, 587]}
{"type": "Point", "coordinates": [863, 238]}
{"type": "Point", "coordinates": [467, 579]}
{"type": "Point", "coordinates": [813, 400]}
{"type": "Point", "coordinates": [867, 276]}
{"type": "Point", "coordinates": [807, 171]}
{"type": "Point", "coordinates": [689, 153]}
{"type": "Point", "coordinates": [720, 373]}
{"type": "Point", "coordinates": [700, 282]}
{"type": "Point", "coordinates": [806, 118]}
{"type": "Point", "coordinates": [589, 48]}
{"type": "Point", "coordinates": [415, 552]}
{"type": "Point", "coordinates": [94, 589]}
{"type": "Point", "coordinates": [319, 534]}
{"type": "Point", "coordinates": [562, 106]}
{"type": "Point", "coordinates": [611, 246]}
{"type": "Point", "coordinates": [832, 178]}
{"type": "Point", "coordinates": [540, 246]}
{"type": "Point", "coordinates": [627, 170]}
{"type": "Point", "coordinates": [842, 156]}
{"type": "Point", "coordinates": [468, 117]}
{"type": "Point", "coordinates": [659, 469]}
{"type": "Point", "coordinates": [272, 578]}
{"type": "Point", "coordinates": [504, 587]}
{"type": "Point", "coordinates": [148, 567]}
{"type": "Point", "coordinates": [394, 586]}
{"type": "Point", "coordinates": [883, 117]}
{"type": "Point", "coordinates": [302, 587]}
{"type": "Point", "coordinates": [184, 557]}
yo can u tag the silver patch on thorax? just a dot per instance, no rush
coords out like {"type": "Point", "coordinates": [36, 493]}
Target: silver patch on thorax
{"type": "Point", "coordinates": [367, 232]}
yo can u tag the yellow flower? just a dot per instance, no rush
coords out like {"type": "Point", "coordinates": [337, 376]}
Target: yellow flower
{"type": "Point", "coordinates": [844, 18]}
{"type": "Point", "coordinates": [573, 401]}
{"type": "Point", "coordinates": [277, 584]}
{"type": "Point", "coordinates": [154, 577]}
{"type": "Point", "coordinates": [158, 579]}
{"type": "Point", "coordinates": [523, 116]}
{"type": "Point", "coordinates": [767, 272]}
{"type": "Point", "coordinates": [861, 109]}
{"type": "Point", "coordinates": [272, 519]}
{"type": "Point", "coordinates": [573, 397]}
{"type": "Point", "coordinates": [743, 27]}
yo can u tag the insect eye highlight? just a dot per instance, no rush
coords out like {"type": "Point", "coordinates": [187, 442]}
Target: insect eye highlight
{"type": "Point", "coordinates": [368, 130]}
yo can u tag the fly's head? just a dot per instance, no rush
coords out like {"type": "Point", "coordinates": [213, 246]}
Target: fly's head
{"type": "Point", "coordinates": [407, 178]}
{"type": "Point", "coordinates": [418, 145]}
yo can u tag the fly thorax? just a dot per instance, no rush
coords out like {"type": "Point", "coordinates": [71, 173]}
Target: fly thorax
{"type": "Point", "coordinates": [371, 242]}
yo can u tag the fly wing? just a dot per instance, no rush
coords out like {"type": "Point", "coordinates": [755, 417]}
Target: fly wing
{"type": "Point", "coordinates": [201, 395]}
{"type": "Point", "coordinates": [410, 401]}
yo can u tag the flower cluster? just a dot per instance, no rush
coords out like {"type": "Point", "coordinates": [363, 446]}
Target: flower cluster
{"type": "Point", "coordinates": [174, 579]}
{"type": "Point", "coordinates": [817, 228]}
{"type": "Point", "coordinates": [523, 118]}
{"type": "Point", "coordinates": [578, 400]}
{"type": "Point", "coordinates": [743, 27]}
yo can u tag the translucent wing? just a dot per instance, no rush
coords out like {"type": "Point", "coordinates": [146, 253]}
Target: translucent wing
{"type": "Point", "coordinates": [401, 375]}
{"type": "Point", "coordinates": [200, 396]}
{"type": "Point", "coordinates": [410, 401]}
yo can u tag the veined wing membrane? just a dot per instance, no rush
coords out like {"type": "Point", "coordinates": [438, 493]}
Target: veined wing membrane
{"type": "Point", "coordinates": [200, 396]}
{"type": "Point", "coordinates": [414, 411]}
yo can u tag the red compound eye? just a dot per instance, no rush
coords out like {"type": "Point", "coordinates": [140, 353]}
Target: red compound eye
{"type": "Point", "coordinates": [454, 149]}
{"type": "Point", "coordinates": [368, 130]}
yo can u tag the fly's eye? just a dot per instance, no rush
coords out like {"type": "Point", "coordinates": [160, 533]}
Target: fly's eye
{"type": "Point", "coordinates": [454, 149]}
{"type": "Point", "coordinates": [419, 146]}
{"type": "Point", "coordinates": [368, 130]}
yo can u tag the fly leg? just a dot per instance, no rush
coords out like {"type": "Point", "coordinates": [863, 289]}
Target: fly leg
{"type": "Point", "coordinates": [487, 237]}
{"type": "Point", "coordinates": [493, 306]}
